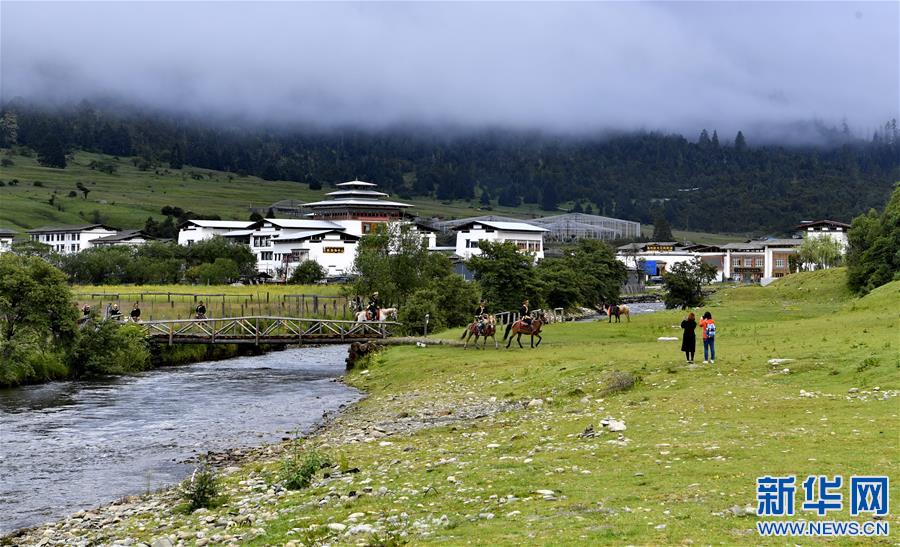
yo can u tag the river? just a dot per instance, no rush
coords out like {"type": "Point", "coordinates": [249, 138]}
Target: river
{"type": "Point", "coordinates": [67, 446]}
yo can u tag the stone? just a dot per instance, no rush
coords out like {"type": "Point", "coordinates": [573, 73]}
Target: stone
{"type": "Point", "coordinates": [779, 361]}
{"type": "Point", "coordinates": [544, 492]}
{"type": "Point", "coordinates": [667, 339]}
{"type": "Point", "coordinates": [853, 390]}
{"type": "Point", "coordinates": [613, 425]}
{"type": "Point", "coordinates": [356, 516]}
{"type": "Point", "coordinates": [162, 542]}
{"type": "Point", "coordinates": [493, 445]}
{"type": "Point", "coordinates": [336, 526]}
{"type": "Point", "coordinates": [535, 403]}
{"type": "Point", "coordinates": [361, 529]}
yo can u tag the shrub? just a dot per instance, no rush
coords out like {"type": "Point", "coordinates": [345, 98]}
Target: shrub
{"type": "Point", "coordinates": [38, 183]}
{"type": "Point", "coordinates": [412, 314]}
{"type": "Point", "coordinates": [6, 162]}
{"type": "Point", "coordinates": [223, 270]}
{"type": "Point", "coordinates": [297, 471]}
{"type": "Point", "coordinates": [619, 382]}
{"type": "Point", "coordinates": [108, 347]}
{"type": "Point", "coordinates": [307, 273]}
{"type": "Point", "coordinates": [202, 489]}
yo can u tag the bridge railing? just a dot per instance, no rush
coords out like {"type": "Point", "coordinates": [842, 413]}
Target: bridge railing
{"type": "Point", "coordinates": [265, 329]}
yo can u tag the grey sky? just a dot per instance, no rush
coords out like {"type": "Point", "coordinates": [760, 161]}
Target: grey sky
{"type": "Point", "coordinates": [557, 66]}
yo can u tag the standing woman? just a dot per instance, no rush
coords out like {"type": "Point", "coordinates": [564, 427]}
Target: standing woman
{"type": "Point", "coordinates": [689, 341]}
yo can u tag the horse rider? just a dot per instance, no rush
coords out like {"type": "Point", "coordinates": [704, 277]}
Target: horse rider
{"type": "Point", "coordinates": [374, 306]}
{"type": "Point", "coordinates": [523, 313]}
{"type": "Point", "coordinates": [481, 314]}
{"type": "Point", "coordinates": [200, 311]}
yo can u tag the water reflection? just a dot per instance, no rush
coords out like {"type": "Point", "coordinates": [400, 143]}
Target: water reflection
{"type": "Point", "coordinates": [72, 445]}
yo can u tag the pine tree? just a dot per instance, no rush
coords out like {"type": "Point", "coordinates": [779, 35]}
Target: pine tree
{"type": "Point", "coordinates": [176, 156]}
{"type": "Point", "coordinates": [715, 139]}
{"type": "Point", "coordinates": [550, 199]}
{"type": "Point", "coordinates": [9, 129]}
{"type": "Point", "coordinates": [704, 141]}
{"type": "Point", "coordinates": [51, 152]}
{"type": "Point", "coordinates": [740, 144]}
{"type": "Point", "coordinates": [661, 229]}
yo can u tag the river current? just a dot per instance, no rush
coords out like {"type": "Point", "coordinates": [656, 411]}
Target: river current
{"type": "Point", "coordinates": [67, 446]}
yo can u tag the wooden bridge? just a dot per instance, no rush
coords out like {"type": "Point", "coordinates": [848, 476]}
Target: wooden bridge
{"type": "Point", "coordinates": [265, 330]}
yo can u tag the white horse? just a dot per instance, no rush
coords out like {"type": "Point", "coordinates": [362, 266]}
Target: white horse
{"type": "Point", "coordinates": [384, 314]}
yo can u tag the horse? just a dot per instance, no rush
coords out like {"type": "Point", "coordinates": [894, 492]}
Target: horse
{"type": "Point", "coordinates": [622, 310]}
{"type": "Point", "coordinates": [485, 328]}
{"type": "Point", "coordinates": [384, 314]}
{"type": "Point", "coordinates": [520, 327]}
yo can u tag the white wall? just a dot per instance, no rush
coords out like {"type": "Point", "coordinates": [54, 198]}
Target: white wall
{"type": "Point", "coordinates": [840, 237]}
{"type": "Point", "coordinates": [335, 263]}
{"type": "Point", "coordinates": [467, 240]}
{"type": "Point", "coordinates": [5, 244]}
{"type": "Point", "coordinates": [192, 234]}
{"type": "Point", "coordinates": [71, 242]}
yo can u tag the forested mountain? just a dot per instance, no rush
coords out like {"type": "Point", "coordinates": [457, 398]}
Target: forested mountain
{"type": "Point", "coordinates": [710, 183]}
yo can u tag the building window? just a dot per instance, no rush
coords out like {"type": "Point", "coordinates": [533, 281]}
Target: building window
{"type": "Point", "coordinates": [735, 262]}
{"type": "Point", "coordinates": [261, 241]}
{"type": "Point", "coordinates": [73, 247]}
{"type": "Point", "coordinates": [748, 262]}
{"type": "Point", "coordinates": [265, 255]}
{"type": "Point", "coordinates": [779, 263]}
{"type": "Point", "coordinates": [759, 263]}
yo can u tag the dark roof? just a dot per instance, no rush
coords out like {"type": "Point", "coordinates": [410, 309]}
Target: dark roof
{"type": "Point", "coordinates": [806, 224]}
{"type": "Point", "coordinates": [69, 228]}
{"type": "Point", "coordinates": [7, 232]}
{"type": "Point", "coordinates": [124, 235]}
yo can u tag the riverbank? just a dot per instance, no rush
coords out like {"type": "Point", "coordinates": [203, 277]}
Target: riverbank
{"type": "Point", "coordinates": [510, 447]}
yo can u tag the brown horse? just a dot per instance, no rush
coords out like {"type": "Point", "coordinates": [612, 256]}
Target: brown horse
{"type": "Point", "coordinates": [486, 327]}
{"type": "Point", "coordinates": [520, 327]}
{"type": "Point", "coordinates": [622, 310]}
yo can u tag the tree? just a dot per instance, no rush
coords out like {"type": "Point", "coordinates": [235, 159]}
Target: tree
{"type": "Point", "coordinates": [873, 252]}
{"type": "Point", "coordinates": [661, 229]}
{"type": "Point", "coordinates": [9, 129]}
{"type": "Point", "coordinates": [176, 156]}
{"type": "Point", "coordinates": [34, 297]}
{"type": "Point", "coordinates": [223, 270]}
{"type": "Point", "coordinates": [549, 199]}
{"type": "Point", "coordinates": [683, 283]}
{"type": "Point", "coordinates": [715, 140]}
{"type": "Point", "coordinates": [740, 143]}
{"type": "Point", "coordinates": [506, 276]}
{"type": "Point", "coordinates": [209, 250]}
{"type": "Point", "coordinates": [820, 252]}
{"type": "Point", "coordinates": [307, 273]}
{"type": "Point", "coordinates": [108, 347]}
{"type": "Point", "coordinates": [51, 152]}
{"type": "Point", "coordinates": [704, 141]}
{"type": "Point", "coordinates": [83, 189]}
{"type": "Point", "coordinates": [394, 261]}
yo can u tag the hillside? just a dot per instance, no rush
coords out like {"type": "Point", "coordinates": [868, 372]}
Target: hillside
{"type": "Point", "coordinates": [507, 447]}
{"type": "Point", "coordinates": [127, 197]}
{"type": "Point", "coordinates": [711, 183]}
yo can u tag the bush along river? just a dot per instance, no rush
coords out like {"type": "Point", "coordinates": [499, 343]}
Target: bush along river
{"type": "Point", "coordinates": [68, 446]}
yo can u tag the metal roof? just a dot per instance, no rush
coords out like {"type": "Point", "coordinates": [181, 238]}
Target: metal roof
{"type": "Point", "coordinates": [222, 224]}
{"type": "Point", "coordinates": [300, 223]}
{"type": "Point", "coordinates": [506, 226]}
{"type": "Point", "coordinates": [360, 202]}
{"type": "Point", "coordinates": [356, 183]}
{"type": "Point", "coordinates": [356, 193]}
{"type": "Point", "coordinates": [70, 228]}
{"type": "Point", "coordinates": [300, 236]}
{"type": "Point", "coordinates": [124, 235]}
{"type": "Point", "coordinates": [237, 233]}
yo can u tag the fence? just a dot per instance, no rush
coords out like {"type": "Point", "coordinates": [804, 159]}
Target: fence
{"type": "Point", "coordinates": [182, 305]}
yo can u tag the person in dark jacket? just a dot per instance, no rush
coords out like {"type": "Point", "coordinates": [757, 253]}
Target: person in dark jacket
{"type": "Point", "coordinates": [374, 306]}
{"type": "Point", "coordinates": [201, 310]}
{"type": "Point", "coordinates": [524, 313]}
{"type": "Point", "coordinates": [689, 340]}
{"type": "Point", "coordinates": [481, 310]}
{"type": "Point", "coordinates": [136, 313]}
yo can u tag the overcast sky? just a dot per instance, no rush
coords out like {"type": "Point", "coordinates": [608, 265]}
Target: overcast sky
{"type": "Point", "coordinates": [571, 67]}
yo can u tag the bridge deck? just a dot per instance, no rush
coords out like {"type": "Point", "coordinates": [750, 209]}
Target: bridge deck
{"type": "Point", "coordinates": [265, 330]}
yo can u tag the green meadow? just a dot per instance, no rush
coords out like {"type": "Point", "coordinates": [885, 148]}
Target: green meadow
{"type": "Point", "coordinates": [127, 197]}
{"type": "Point", "coordinates": [451, 446]}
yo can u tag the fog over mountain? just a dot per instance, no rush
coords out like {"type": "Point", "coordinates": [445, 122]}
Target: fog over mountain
{"type": "Point", "coordinates": [767, 68]}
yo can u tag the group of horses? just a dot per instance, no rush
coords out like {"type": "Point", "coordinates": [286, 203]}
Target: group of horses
{"type": "Point", "coordinates": [486, 327]}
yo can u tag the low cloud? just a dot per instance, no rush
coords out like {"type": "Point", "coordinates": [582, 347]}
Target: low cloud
{"type": "Point", "coordinates": [559, 67]}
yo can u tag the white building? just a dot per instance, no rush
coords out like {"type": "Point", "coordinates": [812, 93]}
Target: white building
{"type": "Point", "coordinates": [70, 239]}
{"type": "Point", "coordinates": [6, 239]}
{"type": "Point", "coordinates": [528, 238]}
{"type": "Point", "coordinates": [832, 229]}
{"type": "Point", "coordinates": [125, 238]}
{"type": "Point", "coordinates": [751, 261]}
{"type": "Point", "coordinates": [358, 207]}
{"type": "Point", "coordinates": [276, 242]}
{"type": "Point", "coordinates": [193, 231]}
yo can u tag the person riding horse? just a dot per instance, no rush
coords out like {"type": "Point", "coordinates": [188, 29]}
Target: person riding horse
{"type": "Point", "coordinates": [374, 306]}
{"type": "Point", "coordinates": [524, 314]}
{"type": "Point", "coordinates": [481, 314]}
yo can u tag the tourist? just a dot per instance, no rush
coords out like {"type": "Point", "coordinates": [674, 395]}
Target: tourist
{"type": "Point", "coordinates": [481, 310]}
{"type": "Point", "coordinates": [374, 305]}
{"type": "Point", "coordinates": [114, 313]}
{"type": "Point", "coordinates": [689, 341]}
{"type": "Point", "coordinates": [201, 311]}
{"type": "Point", "coordinates": [708, 328]}
{"type": "Point", "coordinates": [523, 313]}
{"type": "Point", "coordinates": [135, 313]}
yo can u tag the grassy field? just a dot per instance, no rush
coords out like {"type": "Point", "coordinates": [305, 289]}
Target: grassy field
{"type": "Point", "coordinates": [125, 199]}
{"type": "Point", "coordinates": [129, 196]}
{"type": "Point", "coordinates": [180, 301]}
{"type": "Point", "coordinates": [480, 462]}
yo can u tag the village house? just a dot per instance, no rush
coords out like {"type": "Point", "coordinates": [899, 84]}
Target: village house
{"type": "Point", "coordinates": [6, 239]}
{"type": "Point", "coordinates": [832, 229]}
{"type": "Point", "coordinates": [125, 238]}
{"type": "Point", "coordinates": [757, 261]}
{"type": "Point", "coordinates": [70, 239]}
{"type": "Point", "coordinates": [526, 237]}
{"type": "Point", "coordinates": [193, 231]}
